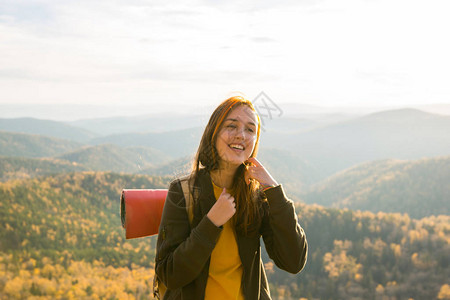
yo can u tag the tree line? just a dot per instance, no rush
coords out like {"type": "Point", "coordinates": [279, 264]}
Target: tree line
{"type": "Point", "coordinates": [61, 237]}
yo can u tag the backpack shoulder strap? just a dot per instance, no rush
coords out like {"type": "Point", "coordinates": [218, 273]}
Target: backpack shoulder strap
{"type": "Point", "coordinates": [185, 180]}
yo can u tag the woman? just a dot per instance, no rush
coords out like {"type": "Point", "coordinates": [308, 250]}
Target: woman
{"type": "Point", "coordinates": [217, 255]}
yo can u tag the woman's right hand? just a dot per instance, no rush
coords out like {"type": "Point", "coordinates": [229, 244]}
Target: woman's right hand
{"type": "Point", "coordinates": [223, 209]}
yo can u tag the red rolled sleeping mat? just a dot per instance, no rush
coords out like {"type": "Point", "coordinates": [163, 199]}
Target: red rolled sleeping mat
{"type": "Point", "coordinates": [141, 210]}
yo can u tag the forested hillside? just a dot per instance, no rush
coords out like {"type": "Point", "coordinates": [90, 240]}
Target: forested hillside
{"type": "Point", "coordinates": [419, 188]}
{"type": "Point", "coordinates": [22, 168]}
{"type": "Point", "coordinates": [31, 145]}
{"type": "Point", "coordinates": [362, 255]}
{"type": "Point", "coordinates": [60, 236]}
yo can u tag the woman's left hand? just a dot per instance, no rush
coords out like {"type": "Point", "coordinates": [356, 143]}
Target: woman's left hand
{"type": "Point", "coordinates": [257, 171]}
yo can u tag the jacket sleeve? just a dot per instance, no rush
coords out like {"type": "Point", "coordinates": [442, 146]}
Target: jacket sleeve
{"type": "Point", "coordinates": [284, 238]}
{"type": "Point", "coordinates": [181, 253]}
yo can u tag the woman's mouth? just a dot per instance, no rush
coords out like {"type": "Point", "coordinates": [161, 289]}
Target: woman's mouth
{"type": "Point", "coordinates": [237, 147]}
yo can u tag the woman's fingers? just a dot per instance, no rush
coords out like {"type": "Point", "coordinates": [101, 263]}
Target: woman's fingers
{"type": "Point", "coordinates": [258, 172]}
{"type": "Point", "coordinates": [253, 169]}
{"type": "Point", "coordinates": [223, 209]}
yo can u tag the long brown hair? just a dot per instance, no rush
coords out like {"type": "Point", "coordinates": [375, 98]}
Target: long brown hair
{"type": "Point", "coordinates": [247, 197]}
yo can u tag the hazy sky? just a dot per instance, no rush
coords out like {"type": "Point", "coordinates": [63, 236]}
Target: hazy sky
{"type": "Point", "coordinates": [330, 53]}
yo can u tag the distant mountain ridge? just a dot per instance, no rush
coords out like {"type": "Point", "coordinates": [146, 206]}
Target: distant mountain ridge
{"type": "Point", "coordinates": [32, 145]}
{"type": "Point", "coordinates": [419, 188]}
{"type": "Point", "coordinates": [108, 157]}
{"type": "Point", "coordinates": [176, 143]}
{"type": "Point", "coordinates": [46, 128]}
{"type": "Point", "coordinates": [140, 124]}
{"type": "Point", "coordinates": [401, 134]}
{"type": "Point", "coordinates": [87, 158]}
{"type": "Point", "coordinates": [326, 146]}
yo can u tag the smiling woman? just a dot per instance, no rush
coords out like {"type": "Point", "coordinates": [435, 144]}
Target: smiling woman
{"type": "Point", "coordinates": [237, 138]}
{"type": "Point", "coordinates": [216, 253]}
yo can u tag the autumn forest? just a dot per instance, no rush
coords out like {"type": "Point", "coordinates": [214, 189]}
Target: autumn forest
{"type": "Point", "coordinates": [378, 227]}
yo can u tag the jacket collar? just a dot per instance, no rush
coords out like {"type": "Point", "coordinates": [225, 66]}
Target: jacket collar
{"type": "Point", "coordinates": [206, 198]}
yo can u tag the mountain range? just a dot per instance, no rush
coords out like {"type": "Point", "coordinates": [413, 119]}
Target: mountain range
{"type": "Point", "coordinates": [399, 134]}
{"type": "Point", "coordinates": [330, 162]}
{"type": "Point", "coordinates": [328, 146]}
{"type": "Point", "coordinates": [47, 128]}
{"type": "Point", "coordinates": [32, 145]}
{"type": "Point", "coordinates": [419, 187]}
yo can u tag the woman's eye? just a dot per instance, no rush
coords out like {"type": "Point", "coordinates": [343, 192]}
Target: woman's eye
{"type": "Point", "coordinates": [231, 126]}
{"type": "Point", "coordinates": [249, 129]}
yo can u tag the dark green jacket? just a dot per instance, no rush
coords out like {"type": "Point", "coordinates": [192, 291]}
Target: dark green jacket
{"type": "Point", "coordinates": [183, 255]}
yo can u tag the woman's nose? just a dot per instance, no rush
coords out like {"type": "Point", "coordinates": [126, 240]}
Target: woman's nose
{"type": "Point", "coordinates": [240, 133]}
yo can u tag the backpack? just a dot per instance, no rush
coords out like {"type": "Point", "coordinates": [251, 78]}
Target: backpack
{"type": "Point", "coordinates": [159, 288]}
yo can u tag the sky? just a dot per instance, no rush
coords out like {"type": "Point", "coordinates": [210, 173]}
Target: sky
{"type": "Point", "coordinates": [154, 55]}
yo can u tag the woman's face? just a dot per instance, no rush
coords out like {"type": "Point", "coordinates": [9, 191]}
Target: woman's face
{"type": "Point", "coordinates": [237, 136]}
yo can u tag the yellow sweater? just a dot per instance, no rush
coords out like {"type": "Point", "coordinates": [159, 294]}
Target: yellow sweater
{"type": "Point", "coordinates": [225, 269]}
